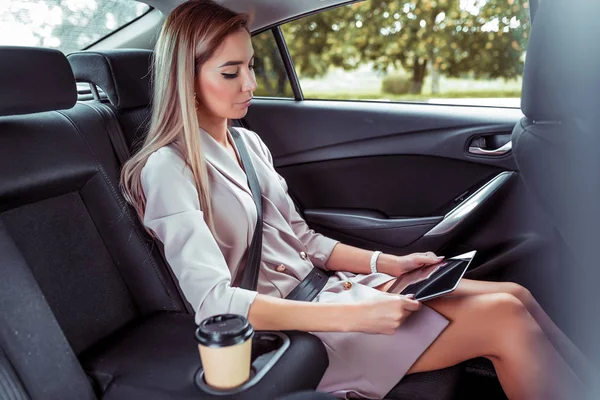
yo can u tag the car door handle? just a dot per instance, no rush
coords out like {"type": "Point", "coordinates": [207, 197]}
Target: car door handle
{"type": "Point", "coordinates": [496, 152]}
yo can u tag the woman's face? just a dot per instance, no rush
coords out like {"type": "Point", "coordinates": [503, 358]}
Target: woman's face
{"type": "Point", "coordinates": [226, 81]}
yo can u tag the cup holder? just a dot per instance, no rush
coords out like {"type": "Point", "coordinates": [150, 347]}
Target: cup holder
{"type": "Point", "coordinates": [267, 349]}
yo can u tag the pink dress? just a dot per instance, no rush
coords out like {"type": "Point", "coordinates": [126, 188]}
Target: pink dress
{"type": "Point", "coordinates": [361, 364]}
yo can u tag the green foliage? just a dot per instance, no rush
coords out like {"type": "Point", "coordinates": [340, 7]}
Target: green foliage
{"type": "Point", "coordinates": [486, 38]}
{"type": "Point", "coordinates": [271, 76]}
{"type": "Point", "coordinates": [396, 84]}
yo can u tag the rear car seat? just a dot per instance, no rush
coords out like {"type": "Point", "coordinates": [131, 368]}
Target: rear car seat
{"type": "Point", "coordinates": [124, 76]}
{"type": "Point", "coordinates": [88, 306]}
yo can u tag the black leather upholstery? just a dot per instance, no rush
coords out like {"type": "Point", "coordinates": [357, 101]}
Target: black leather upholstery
{"type": "Point", "coordinates": [439, 385]}
{"type": "Point", "coordinates": [123, 74]}
{"type": "Point", "coordinates": [34, 80]}
{"type": "Point", "coordinates": [60, 206]}
{"type": "Point", "coordinates": [82, 282]}
{"type": "Point", "coordinates": [37, 357]}
{"type": "Point", "coordinates": [60, 203]}
{"type": "Point", "coordinates": [158, 358]}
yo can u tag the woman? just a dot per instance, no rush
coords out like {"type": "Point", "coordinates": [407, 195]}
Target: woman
{"type": "Point", "coordinates": [190, 190]}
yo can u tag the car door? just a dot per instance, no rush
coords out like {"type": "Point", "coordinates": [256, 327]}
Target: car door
{"type": "Point", "coordinates": [398, 176]}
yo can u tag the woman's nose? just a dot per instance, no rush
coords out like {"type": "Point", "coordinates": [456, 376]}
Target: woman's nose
{"type": "Point", "coordinates": [249, 84]}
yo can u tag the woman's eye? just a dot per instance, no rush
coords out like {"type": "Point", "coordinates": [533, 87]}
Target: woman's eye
{"type": "Point", "coordinates": [230, 76]}
{"type": "Point", "coordinates": [251, 66]}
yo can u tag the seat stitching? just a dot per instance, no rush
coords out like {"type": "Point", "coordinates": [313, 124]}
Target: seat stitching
{"type": "Point", "coordinates": [123, 207]}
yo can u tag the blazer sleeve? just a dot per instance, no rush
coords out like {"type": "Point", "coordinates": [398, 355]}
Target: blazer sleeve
{"type": "Point", "coordinates": [173, 213]}
{"type": "Point", "coordinates": [318, 246]}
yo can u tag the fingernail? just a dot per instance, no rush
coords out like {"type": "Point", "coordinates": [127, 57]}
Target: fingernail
{"type": "Point", "coordinates": [440, 257]}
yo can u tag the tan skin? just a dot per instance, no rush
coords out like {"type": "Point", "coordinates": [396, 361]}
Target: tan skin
{"type": "Point", "coordinates": [497, 320]}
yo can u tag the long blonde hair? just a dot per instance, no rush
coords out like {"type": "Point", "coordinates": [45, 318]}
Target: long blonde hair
{"type": "Point", "coordinates": [189, 37]}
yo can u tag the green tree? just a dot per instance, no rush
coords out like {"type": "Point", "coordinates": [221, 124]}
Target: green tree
{"type": "Point", "coordinates": [496, 47]}
{"type": "Point", "coordinates": [271, 75]}
{"type": "Point", "coordinates": [322, 40]}
{"type": "Point", "coordinates": [485, 38]}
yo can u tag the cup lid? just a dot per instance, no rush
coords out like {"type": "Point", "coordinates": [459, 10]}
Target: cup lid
{"type": "Point", "coordinates": [224, 330]}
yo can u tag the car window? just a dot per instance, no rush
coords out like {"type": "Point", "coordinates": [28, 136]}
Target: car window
{"type": "Point", "coordinates": [66, 25]}
{"type": "Point", "coordinates": [468, 52]}
{"type": "Point", "coordinates": [271, 76]}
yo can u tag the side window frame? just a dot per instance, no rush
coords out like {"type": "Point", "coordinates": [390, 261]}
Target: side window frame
{"type": "Point", "coordinates": [284, 52]}
{"type": "Point", "coordinates": [294, 79]}
{"type": "Point", "coordinates": [288, 63]}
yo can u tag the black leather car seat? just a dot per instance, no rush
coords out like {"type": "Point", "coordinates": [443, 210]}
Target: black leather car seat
{"type": "Point", "coordinates": [125, 78]}
{"type": "Point", "coordinates": [67, 230]}
{"type": "Point", "coordinates": [84, 290]}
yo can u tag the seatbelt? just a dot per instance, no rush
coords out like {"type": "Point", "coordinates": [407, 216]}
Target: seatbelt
{"type": "Point", "coordinates": [115, 133]}
{"type": "Point", "coordinates": [250, 272]}
{"type": "Point", "coordinates": [184, 300]}
{"type": "Point", "coordinates": [316, 279]}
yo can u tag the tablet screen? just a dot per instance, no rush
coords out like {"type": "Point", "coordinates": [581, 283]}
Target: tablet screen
{"type": "Point", "coordinates": [443, 281]}
{"type": "Point", "coordinates": [433, 280]}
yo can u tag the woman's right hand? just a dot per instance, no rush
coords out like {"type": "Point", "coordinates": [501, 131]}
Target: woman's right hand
{"type": "Point", "coordinates": [383, 314]}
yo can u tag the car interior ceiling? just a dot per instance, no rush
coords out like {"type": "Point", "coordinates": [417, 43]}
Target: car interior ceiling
{"type": "Point", "coordinates": [89, 306]}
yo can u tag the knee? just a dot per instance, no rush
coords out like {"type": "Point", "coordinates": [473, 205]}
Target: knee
{"type": "Point", "coordinates": [520, 292]}
{"type": "Point", "coordinates": [516, 324]}
{"type": "Point", "coordinates": [506, 304]}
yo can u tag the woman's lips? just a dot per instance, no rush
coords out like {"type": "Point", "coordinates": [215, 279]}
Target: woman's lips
{"type": "Point", "coordinates": [246, 103]}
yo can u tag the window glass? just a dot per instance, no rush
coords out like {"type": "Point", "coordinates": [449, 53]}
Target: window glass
{"type": "Point", "coordinates": [436, 51]}
{"type": "Point", "coordinates": [271, 76]}
{"type": "Point", "coordinates": [66, 25]}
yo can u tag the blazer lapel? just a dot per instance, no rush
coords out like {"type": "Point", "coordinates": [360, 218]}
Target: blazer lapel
{"type": "Point", "coordinates": [218, 157]}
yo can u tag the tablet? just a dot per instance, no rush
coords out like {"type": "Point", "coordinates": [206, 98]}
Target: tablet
{"type": "Point", "coordinates": [433, 280]}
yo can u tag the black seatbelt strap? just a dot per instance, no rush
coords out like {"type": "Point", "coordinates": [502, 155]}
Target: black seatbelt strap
{"type": "Point", "coordinates": [115, 133]}
{"type": "Point", "coordinates": [250, 272]}
{"type": "Point", "coordinates": [317, 278]}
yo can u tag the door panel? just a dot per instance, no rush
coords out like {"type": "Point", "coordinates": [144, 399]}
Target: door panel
{"type": "Point", "coordinates": [308, 131]}
{"type": "Point", "coordinates": [372, 226]}
{"type": "Point", "coordinates": [396, 185]}
{"type": "Point", "coordinates": [383, 175]}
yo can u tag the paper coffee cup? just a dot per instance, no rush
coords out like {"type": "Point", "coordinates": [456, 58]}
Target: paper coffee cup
{"type": "Point", "coordinates": [225, 345]}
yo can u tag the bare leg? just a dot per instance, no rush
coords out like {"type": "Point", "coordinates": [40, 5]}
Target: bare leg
{"type": "Point", "coordinates": [498, 326]}
{"type": "Point", "coordinates": [559, 340]}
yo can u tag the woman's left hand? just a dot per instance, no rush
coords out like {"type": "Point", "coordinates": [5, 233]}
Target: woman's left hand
{"type": "Point", "coordinates": [398, 265]}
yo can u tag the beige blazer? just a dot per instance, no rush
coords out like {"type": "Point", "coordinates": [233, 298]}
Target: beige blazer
{"type": "Point", "coordinates": [204, 265]}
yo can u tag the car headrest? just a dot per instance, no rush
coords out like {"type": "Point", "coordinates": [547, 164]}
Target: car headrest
{"type": "Point", "coordinates": [123, 74]}
{"type": "Point", "coordinates": [34, 79]}
{"type": "Point", "coordinates": [562, 69]}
